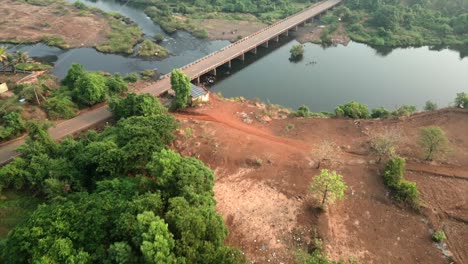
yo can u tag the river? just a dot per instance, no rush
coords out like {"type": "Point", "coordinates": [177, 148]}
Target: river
{"type": "Point", "coordinates": [324, 78]}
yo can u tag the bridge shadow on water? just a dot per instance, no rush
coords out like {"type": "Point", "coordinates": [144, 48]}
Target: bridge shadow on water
{"type": "Point", "coordinates": [224, 72]}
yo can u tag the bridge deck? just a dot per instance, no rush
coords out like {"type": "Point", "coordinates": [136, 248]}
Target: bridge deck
{"type": "Point", "coordinates": [233, 51]}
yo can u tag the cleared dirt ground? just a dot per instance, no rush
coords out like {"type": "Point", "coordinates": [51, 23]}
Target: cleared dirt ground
{"type": "Point", "coordinates": [25, 22]}
{"type": "Point", "coordinates": [264, 167]}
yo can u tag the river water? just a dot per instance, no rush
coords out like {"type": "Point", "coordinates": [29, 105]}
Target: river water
{"type": "Point", "coordinates": [324, 78]}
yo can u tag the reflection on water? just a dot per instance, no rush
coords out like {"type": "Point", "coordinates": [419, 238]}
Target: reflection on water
{"type": "Point", "coordinates": [326, 77]}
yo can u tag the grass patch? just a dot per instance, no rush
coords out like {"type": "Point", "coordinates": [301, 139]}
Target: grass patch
{"type": "Point", "coordinates": [14, 208]}
{"type": "Point", "coordinates": [150, 49]}
{"type": "Point", "coordinates": [33, 67]}
{"type": "Point", "coordinates": [122, 37]}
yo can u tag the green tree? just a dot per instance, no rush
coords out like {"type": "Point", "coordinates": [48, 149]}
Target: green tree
{"type": "Point", "coordinates": [90, 89]}
{"type": "Point", "coordinates": [60, 107]}
{"type": "Point", "coordinates": [433, 142]}
{"type": "Point", "coordinates": [137, 105]}
{"type": "Point", "coordinates": [330, 186]}
{"type": "Point", "coordinates": [180, 83]}
{"type": "Point", "coordinates": [116, 84]}
{"type": "Point", "coordinates": [430, 106]}
{"type": "Point", "coordinates": [297, 51]}
{"type": "Point", "coordinates": [75, 72]}
{"type": "Point", "coordinates": [157, 242]}
{"type": "Point", "coordinates": [352, 109]}
{"type": "Point", "coordinates": [461, 100]}
{"type": "Point", "coordinates": [3, 56]}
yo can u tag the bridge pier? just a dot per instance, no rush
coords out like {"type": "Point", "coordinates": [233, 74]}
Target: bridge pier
{"type": "Point", "coordinates": [198, 81]}
{"type": "Point", "coordinates": [213, 71]}
{"type": "Point", "coordinates": [229, 64]}
{"type": "Point", "coordinates": [265, 44]}
{"type": "Point", "coordinates": [254, 50]}
{"type": "Point", "coordinates": [286, 33]}
{"type": "Point", "coordinates": [276, 38]}
{"type": "Point", "coordinates": [294, 28]}
{"type": "Point", "coordinates": [241, 57]}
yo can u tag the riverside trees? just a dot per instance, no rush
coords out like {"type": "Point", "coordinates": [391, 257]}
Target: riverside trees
{"type": "Point", "coordinates": [119, 196]}
{"type": "Point", "coordinates": [180, 83]}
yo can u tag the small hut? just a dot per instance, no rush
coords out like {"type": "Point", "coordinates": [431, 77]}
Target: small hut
{"type": "Point", "coordinates": [199, 94]}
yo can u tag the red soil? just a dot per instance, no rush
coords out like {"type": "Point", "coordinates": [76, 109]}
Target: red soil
{"type": "Point", "coordinates": [264, 167]}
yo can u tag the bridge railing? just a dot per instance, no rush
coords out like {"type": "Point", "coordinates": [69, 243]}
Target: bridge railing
{"type": "Point", "coordinates": [244, 39]}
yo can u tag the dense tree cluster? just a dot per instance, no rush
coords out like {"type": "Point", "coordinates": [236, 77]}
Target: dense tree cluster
{"type": "Point", "coordinates": [119, 196]}
{"type": "Point", "coordinates": [415, 22]}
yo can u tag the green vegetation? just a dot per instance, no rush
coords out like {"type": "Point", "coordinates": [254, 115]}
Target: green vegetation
{"type": "Point", "coordinates": [383, 144]}
{"type": "Point", "coordinates": [55, 41]}
{"type": "Point", "coordinates": [89, 88]}
{"type": "Point", "coordinates": [439, 236]}
{"type": "Point", "coordinates": [122, 37]}
{"type": "Point", "coordinates": [318, 256]}
{"type": "Point", "coordinates": [119, 196]}
{"type": "Point", "coordinates": [297, 51]}
{"type": "Point", "coordinates": [433, 142]}
{"type": "Point", "coordinates": [14, 208]}
{"type": "Point", "coordinates": [158, 37]}
{"type": "Point", "coordinates": [329, 186]}
{"type": "Point", "coordinates": [303, 111]}
{"type": "Point", "coordinates": [11, 123]}
{"type": "Point", "coordinates": [461, 100]}
{"type": "Point", "coordinates": [430, 106]}
{"type": "Point", "coordinates": [136, 105]}
{"type": "Point", "coordinates": [180, 83]}
{"type": "Point", "coordinates": [380, 113]}
{"type": "Point", "coordinates": [403, 23]}
{"type": "Point", "coordinates": [60, 107]}
{"type": "Point", "coordinates": [150, 49]}
{"type": "Point", "coordinates": [353, 110]}
{"type": "Point", "coordinates": [33, 67]}
{"type": "Point", "coordinates": [403, 190]}
{"type": "Point", "coordinates": [167, 13]}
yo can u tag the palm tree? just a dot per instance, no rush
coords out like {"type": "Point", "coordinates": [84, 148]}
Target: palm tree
{"type": "Point", "coordinates": [3, 57]}
{"type": "Point", "coordinates": [12, 61]}
{"type": "Point", "coordinates": [22, 57]}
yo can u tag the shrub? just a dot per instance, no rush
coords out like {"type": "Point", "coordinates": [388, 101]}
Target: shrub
{"type": "Point", "coordinates": [430, 106]}
{"type": "Point", "coordinates": [158, 37]}
{"type": "Point", "coordinates": [403, 190]}
{"type": "Point", "coordinates": [433, 142]}
{"type": "Point", "coordinates": [297, 51]}
{"type": "Point", "coordinates": [439, 236]}
{"type": "Point", "coordinates": [352, 109]}
{"type": "Point", "coordinates": [60, 107]}
{"type": "Point", "coordinates": [405, 110]}
{"type": "Point", "coordinates": [461, 100]}
{"type": "Point", "coordinates": [132, 77]}
{"type": "Point", "coordinates": [302, 111]}
{"type": "Point", "coordinates": [380, 113]}
{"type": "Point", "coordinates": [394, 170]}
{"type": "Point", "coordinates": [116, 84]}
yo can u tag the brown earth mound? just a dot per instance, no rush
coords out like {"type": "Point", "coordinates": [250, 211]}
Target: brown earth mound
{"type": "Point", "coordinates": [264, 167]}
{"type": "Point", "coordinates": [26, 22]}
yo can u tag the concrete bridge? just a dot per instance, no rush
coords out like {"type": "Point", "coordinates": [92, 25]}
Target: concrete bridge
{"type": "Point", "coordinates": [237, 50]}
{"type": "Point", "coordinates": [194, 70]}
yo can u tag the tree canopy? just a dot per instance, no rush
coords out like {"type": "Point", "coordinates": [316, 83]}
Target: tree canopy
{"type": "Point", "coordinates": [180, 83]}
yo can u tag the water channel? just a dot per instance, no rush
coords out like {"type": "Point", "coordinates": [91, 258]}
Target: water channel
{"type": "Point", "coordinates": [324, 78]}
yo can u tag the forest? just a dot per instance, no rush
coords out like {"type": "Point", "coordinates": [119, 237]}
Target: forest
{"type": "Point", "coordinates": [115, 196]}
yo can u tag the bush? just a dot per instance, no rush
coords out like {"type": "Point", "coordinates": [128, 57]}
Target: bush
{"type": "Point", "coordinates": [433, 142]}
{"type": "Point", "coordinates": [404, 110]}
{"type": "Point", "coordinates": [158, 37]}
{"type": "Point", "coordinates": [430, 106]}
{"type": "Point", "coordinates": [297, 51]}
{"type": "Point", "coordinates": [11, 125]}
{"type": "Point", "coordinates": [132, 77]}
{"type": "Point", "coordinates": [302, 111]}
{"type": "Point", "coordinates": [461, 100]}
{"type": "Point", "coordinates": [352, 109]}
{"type": "Point", "coordinates": [116, 84]}
{"type": "Point", "coordinates": [403, 190]}
{"type": "Point", "coordinates": [439, 236]}
{"type": "Point", "coordinates": [394, 170]}
{"type": "Point", "coordinates": [380, 113]}
{"type": "Point", "coordinates": [60, 107]}
{"type": "Point", "coordinates": [137, 105]}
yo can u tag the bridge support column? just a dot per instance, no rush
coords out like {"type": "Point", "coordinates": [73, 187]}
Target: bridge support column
{"type": "Point", "coordinates": [276, 38]}
{"type": "Point", "coordinates": [213, 71]}
{"type": "Point", "coordinates": [198, 80]}
{"type": "Point", "coordinates": [254, 50]}
{"type": "Point", "coordinates": [229, 64]}
{"type": "Point", "coordinates": [286, 33]}
{"type": "Point", "coordinates": [242, 57]}
{"type": "Point", "coordinates": [294, 28]}
{"type": "Point", "coordinates": [265, 44]}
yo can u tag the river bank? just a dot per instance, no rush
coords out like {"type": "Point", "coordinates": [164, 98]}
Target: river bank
{"type": "Point", "coordinates": [66, 26]}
